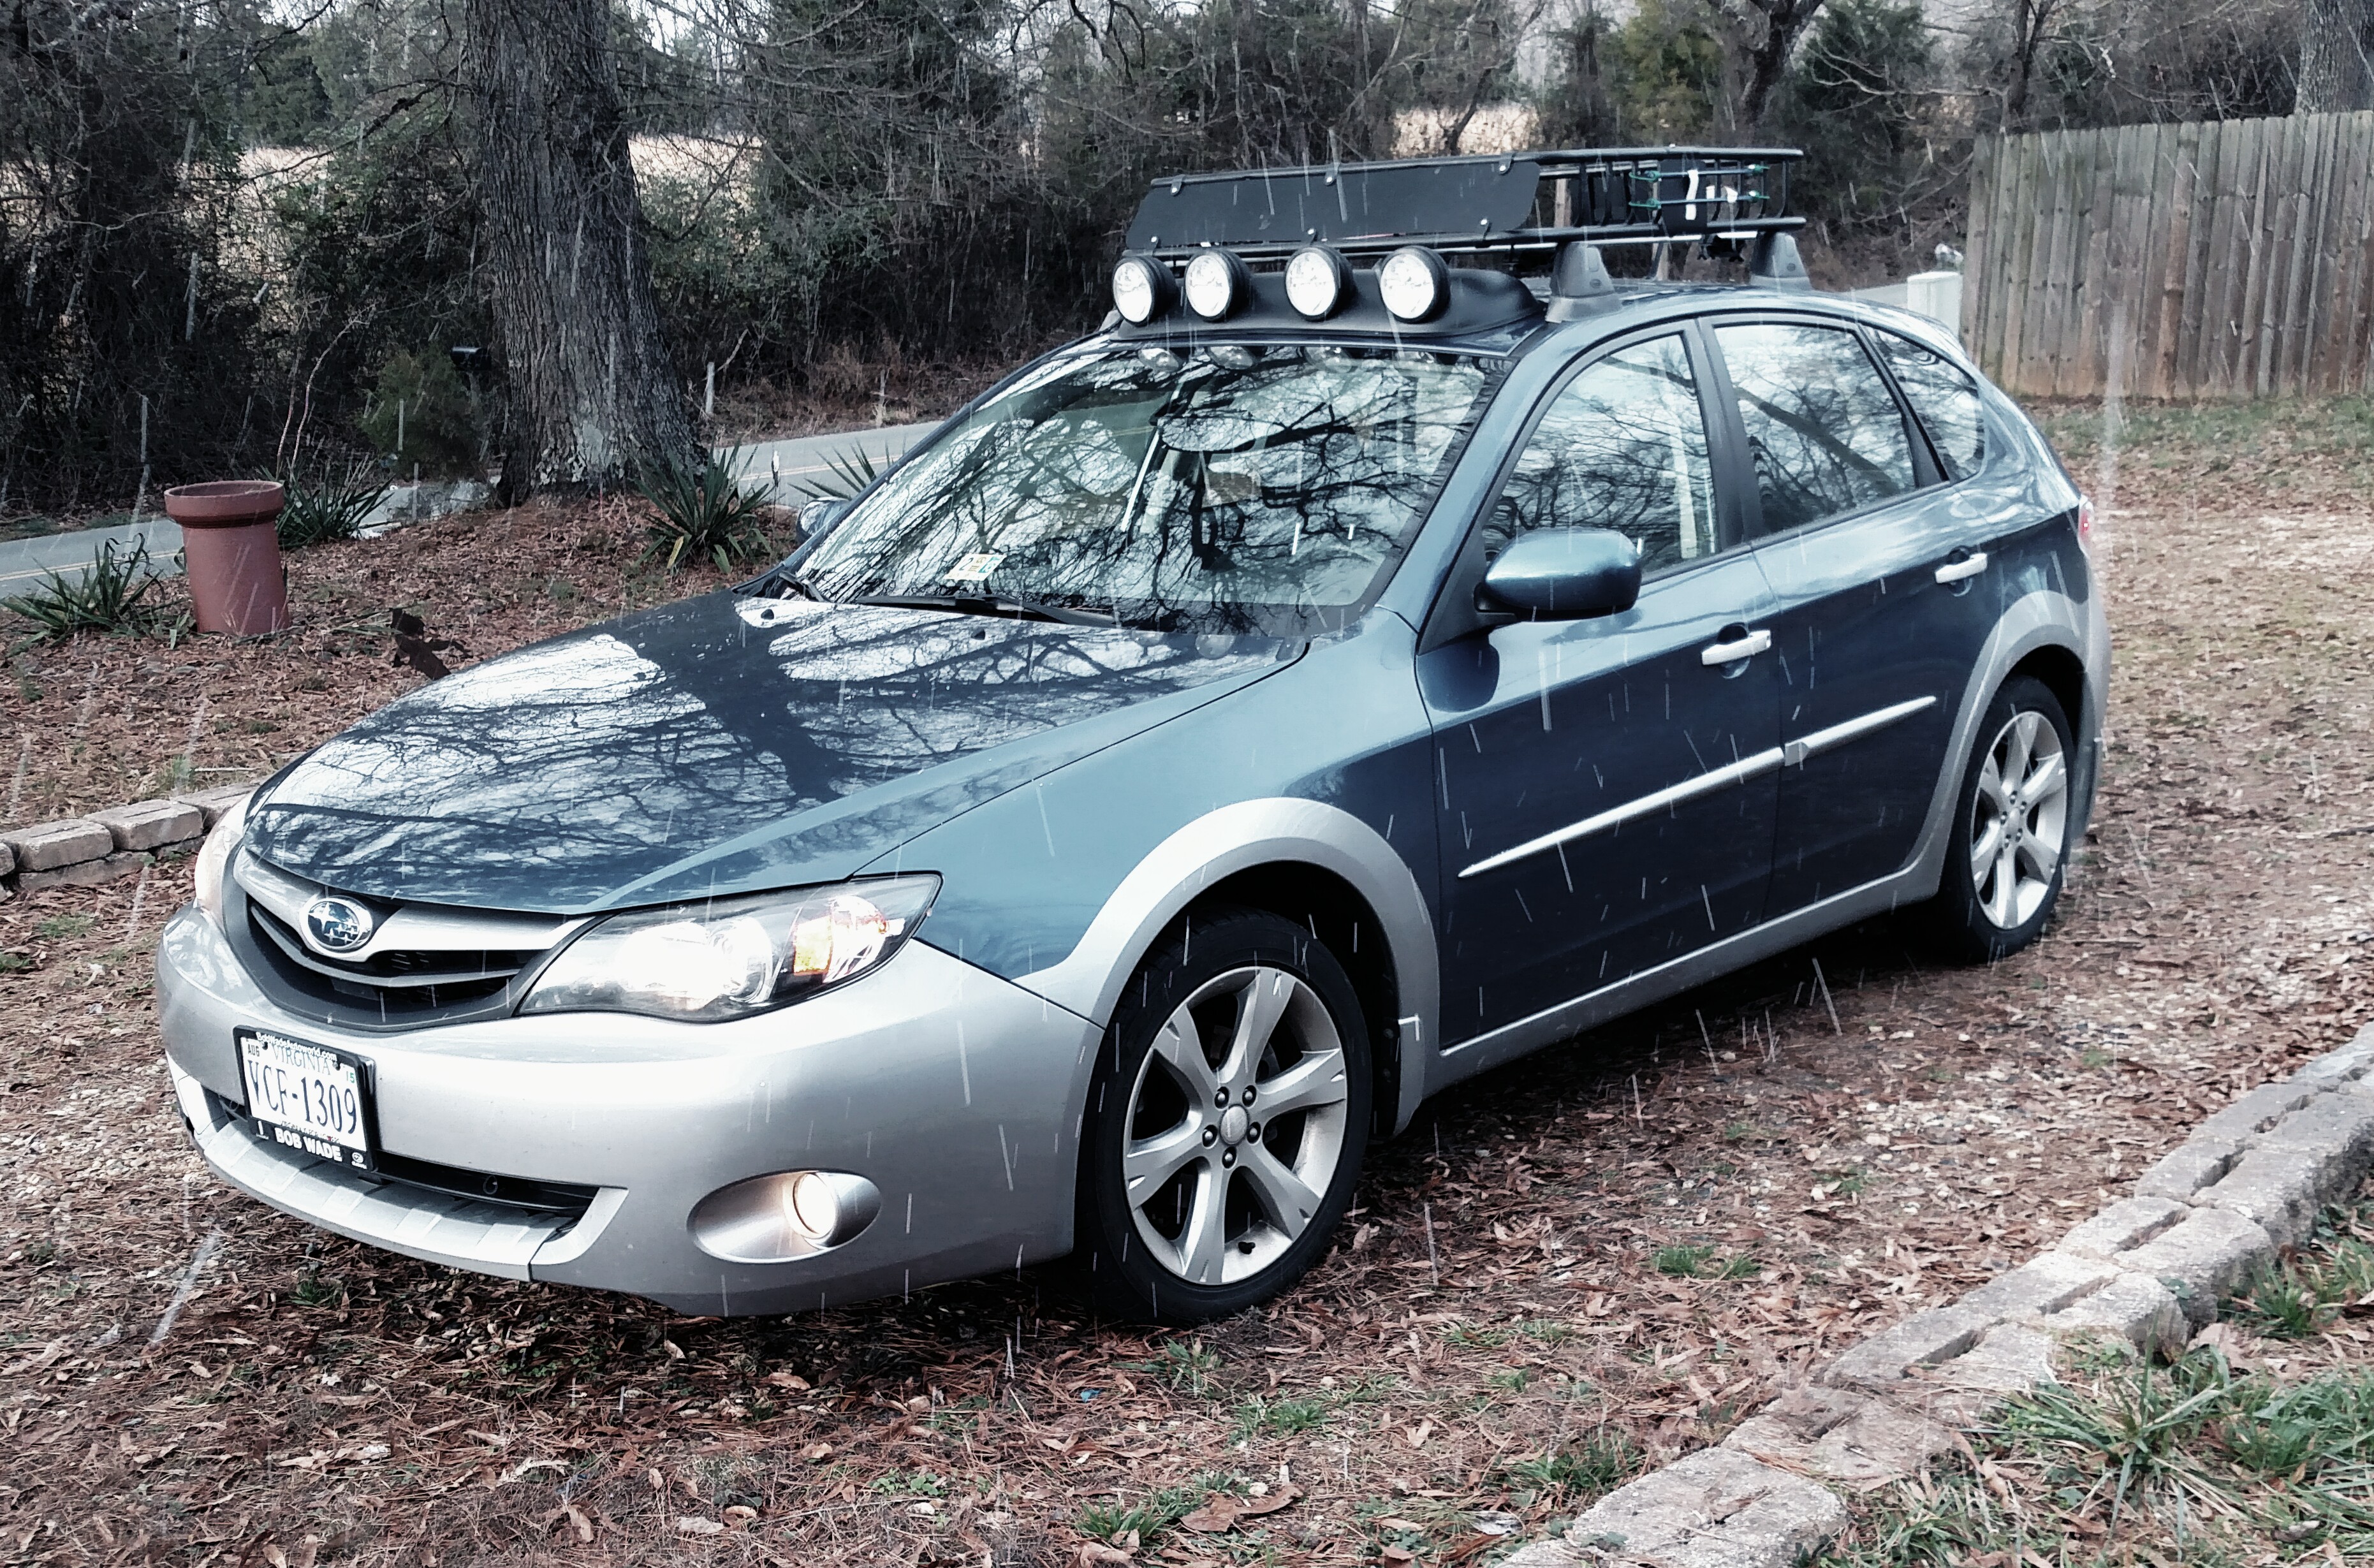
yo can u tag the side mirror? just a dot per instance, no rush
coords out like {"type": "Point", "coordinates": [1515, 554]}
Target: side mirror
{"type": "Point", "coordinates": [1563, 574]}
{"type": "Point", "coordinates": [815, 516]}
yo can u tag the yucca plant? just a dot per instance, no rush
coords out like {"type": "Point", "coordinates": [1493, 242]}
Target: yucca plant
{"type": "Point", "coordinates": [335, 508]}
{"type": "Point", "coordinates": [847, 473]}
{"type": "Point", "coordinates": [113, 596]}
{"type": "Point", "coordinates": [703, 514]}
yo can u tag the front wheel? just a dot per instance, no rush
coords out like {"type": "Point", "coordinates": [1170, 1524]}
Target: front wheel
{"type": "Point", "coordinates": [1227, 1124]}
{"type": "Point", "coordinates": [2010, 848]}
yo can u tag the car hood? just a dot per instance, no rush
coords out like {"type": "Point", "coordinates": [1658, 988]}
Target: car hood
{"type": "Point", "coordinates": [721, 744]}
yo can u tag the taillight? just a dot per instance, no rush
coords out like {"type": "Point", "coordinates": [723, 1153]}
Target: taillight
{"type": "Point", "coordinates": [2086, 522]}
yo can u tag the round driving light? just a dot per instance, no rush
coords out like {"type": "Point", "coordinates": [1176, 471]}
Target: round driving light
{"type": "Point", "coordinates": [1413, 282]}
{"type": "Point", "coordinates": [1317, 281]}
{"type": "Point", "coordinates": [812, 1207]}
{"type": "Point", "coordinates": [777, 1219]}
{"type": "Point", "coordinates": [1142, 288]}
{"type": "Point", "coordinates": [1217, 284]}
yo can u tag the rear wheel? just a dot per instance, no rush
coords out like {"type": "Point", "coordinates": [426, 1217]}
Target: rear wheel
{"type": "Point", "coordinates": [1228, 1122]}
{"type": "Point", "coordinates": [2010, 849]}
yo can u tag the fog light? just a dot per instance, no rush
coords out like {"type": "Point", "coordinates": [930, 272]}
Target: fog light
{"type": "Point", "coordinates": [781, 1218]}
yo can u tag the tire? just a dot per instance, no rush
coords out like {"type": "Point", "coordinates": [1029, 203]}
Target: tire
{"type": "Point", "coordinates": [1229, 1206]}
{"type": "Point", "coordinates": [2011, 835]}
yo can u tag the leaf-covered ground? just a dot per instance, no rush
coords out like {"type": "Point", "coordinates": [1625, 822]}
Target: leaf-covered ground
{"type": "Point", "coordinates": [1579, 1265]}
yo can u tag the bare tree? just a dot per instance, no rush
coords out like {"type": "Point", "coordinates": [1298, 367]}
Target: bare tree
{"type": "Point", "coordinates": [2336, 55]}
{"type": "Point", "coordinates": [592, 386]}
{"type": "Point", "coordinates": [1765, 33]}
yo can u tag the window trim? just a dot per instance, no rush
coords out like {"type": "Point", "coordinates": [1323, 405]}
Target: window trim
{"type": "Point", "coordinates": [1946, 479]}
{"type": "Point", "coordinates": [1928, 474]}
{"type": "Point", "coordinates": [1446, 622]}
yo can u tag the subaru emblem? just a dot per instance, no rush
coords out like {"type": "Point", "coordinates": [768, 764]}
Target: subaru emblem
{"type": "Point", "coordinates": [338, 926]}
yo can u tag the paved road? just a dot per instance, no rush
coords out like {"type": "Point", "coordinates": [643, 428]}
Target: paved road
{"type": "Point", "coordinates": [785, 466]}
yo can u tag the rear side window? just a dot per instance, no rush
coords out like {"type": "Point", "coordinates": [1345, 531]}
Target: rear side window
{"type": "Point", "coordinates": [1946, 401]}
{"type": "Point", "coordinates": [1623, 446]}
{"type": "Point", "coordinates": [1824, 430]}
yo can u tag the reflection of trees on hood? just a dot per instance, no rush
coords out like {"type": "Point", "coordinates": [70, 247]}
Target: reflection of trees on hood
{"type": "Point", "coordinates": [602, 757]}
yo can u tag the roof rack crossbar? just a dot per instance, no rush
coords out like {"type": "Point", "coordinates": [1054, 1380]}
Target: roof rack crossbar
{"type": "Point", "coordinates": [1513, 204]}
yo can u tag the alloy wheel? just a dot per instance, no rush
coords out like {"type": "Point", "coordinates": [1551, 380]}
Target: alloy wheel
{"type": "Point", "coordinates": [1236, 1126]}
{"type": "Point", "coordinates": [2019, 819]}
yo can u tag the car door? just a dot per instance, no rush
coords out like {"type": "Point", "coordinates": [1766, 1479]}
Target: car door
{"type": "Point", "coordinates": [1872, 557]}
{"type": "Point", "coordinates": [1605, 786]}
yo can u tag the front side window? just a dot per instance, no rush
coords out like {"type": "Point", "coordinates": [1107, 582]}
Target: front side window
{"type": "Point", "coordinates": [1823, 429]}
{"type": "Point", "coordinates": [1237, 488]}
{"type": "Point", "coordinates": [1943, 399]}
{"type": "Point", "coordinates": [1624, 446]}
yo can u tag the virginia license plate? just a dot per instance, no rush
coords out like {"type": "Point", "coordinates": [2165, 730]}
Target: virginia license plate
{"type": "Point", "coordinates": [307, 1097]}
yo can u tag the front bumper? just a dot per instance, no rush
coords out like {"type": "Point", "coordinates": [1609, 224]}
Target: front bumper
{"type": "Point", "coordinates": [954, 1091]}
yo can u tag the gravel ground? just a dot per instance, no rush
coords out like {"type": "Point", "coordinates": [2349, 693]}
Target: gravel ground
{"type": "Point", "coordinates": [1567, 1270]}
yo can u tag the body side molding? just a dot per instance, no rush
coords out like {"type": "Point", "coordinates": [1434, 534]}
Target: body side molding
{"type": "Point", "coordinates": [1714, 779]}
{"type": "Point", "coordinates": [1240, 837]}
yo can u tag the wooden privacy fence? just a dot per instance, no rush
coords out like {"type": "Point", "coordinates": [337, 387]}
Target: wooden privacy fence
{"type": "Point", "coordinates": [2225, 259]}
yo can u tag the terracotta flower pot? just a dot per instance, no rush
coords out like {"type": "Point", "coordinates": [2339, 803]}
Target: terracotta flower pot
{"type": "Point", "coordinates": [231, 550]}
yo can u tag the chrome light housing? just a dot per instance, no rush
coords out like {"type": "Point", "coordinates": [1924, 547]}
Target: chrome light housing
{"type": "Point", "coordinates": [1317, 281]}
{"type": "Point", "coordinates": [1142, 288]}
{"type": "Point", "coordinates": [781, 1218]}
{"type": "Point", "coordinates": [1415, 283]}
{"type": "Point", "coordinates": [214, 858]}
{"type": "Point", "coordinates": [1218, 282]}
{"type": "Point", "coordinates": [729, 957]}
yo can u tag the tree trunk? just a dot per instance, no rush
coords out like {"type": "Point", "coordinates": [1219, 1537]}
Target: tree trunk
{"type": "Point", "coordinates": [591, 389]}
{"type": "Point", "coordinates": [1766, 32]}
{"type": "Point", "coordinates": [2336, 56]}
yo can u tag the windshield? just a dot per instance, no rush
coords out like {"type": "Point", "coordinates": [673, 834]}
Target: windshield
{"type": "Point", "coordinates": [1230, 489]}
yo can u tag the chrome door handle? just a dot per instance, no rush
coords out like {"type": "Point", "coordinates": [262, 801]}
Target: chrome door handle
{"type": "Point", "coordinates": [1969, 566]}
{"type": "Point", "coordinates": [1746, 648]}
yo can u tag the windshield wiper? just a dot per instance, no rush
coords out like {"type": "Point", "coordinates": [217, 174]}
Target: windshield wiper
{"type": "Point", "coordinates": [993, 604]}
{"type": "Point", "coordinates": [797, 584]}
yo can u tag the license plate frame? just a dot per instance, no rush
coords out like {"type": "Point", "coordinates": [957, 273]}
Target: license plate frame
{"type": "Point", "coordinates": [347, 1129]}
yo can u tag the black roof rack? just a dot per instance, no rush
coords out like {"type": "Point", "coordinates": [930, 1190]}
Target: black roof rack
{"type": "Point", "coordinates": [1512, 204]}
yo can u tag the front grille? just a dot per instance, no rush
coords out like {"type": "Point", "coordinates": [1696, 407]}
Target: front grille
{"type": "Point", "coordinates": [427, 963]}
{"type": "Point", "coordinates": [401, 982]}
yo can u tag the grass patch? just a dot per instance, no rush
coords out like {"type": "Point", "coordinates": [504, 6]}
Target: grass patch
{"type": "Point", "coordinates": [57, 926]}
{"type": "Point", "coordinates": [1280, 1417]}
{"type": "Point", "coordinates": [1185, 1365]}
{"type": "Point", "coordinates": [1581, 1471]}
{"type": "Point", "coordinates": [1699, 1262]}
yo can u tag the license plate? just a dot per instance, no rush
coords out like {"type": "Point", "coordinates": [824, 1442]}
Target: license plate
{"type": "Point", "coordinates": [307, 1097]}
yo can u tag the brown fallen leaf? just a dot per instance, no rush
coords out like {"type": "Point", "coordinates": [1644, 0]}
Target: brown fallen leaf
{"type": "Point", "coordinates": [1219, 1514]}
{"type": "Point", "coordinates": [791, 1380]}
{"type": "Point", "coordinates": [1254, 1508]}
{"type": "Point", "coordinates": [816, 1453]}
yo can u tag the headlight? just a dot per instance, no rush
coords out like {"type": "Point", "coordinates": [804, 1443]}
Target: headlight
{"type": "Point", "coordinates": [214, 858]}
{"type": "Point", "coordinates": [729, 958]}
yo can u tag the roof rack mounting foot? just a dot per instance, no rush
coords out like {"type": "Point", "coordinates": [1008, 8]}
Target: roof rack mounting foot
{"type": "Point", "coordinates": [1775, 263]}
{"type": "Point", "coordinates": [1580, 283]}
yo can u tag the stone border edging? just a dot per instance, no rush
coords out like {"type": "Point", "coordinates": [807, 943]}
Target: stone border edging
{"type": "Point", "coordinates": [2150, 1268]}
{"type": "Point", "coordinates": [86, 851]}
